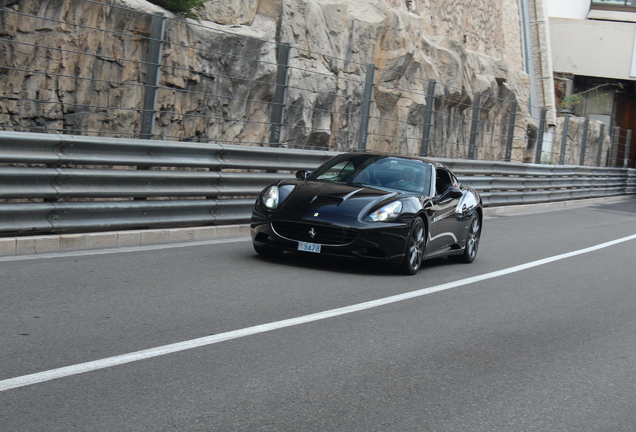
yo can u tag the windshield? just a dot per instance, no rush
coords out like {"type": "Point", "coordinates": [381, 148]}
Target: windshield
{"type": "Point", "coordinates": [408, 175]}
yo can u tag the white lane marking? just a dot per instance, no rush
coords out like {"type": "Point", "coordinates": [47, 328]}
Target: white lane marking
{"type": "Point", "coordinates": [209, 340]}
{"type": "Point", "coordinates": [121, 250]}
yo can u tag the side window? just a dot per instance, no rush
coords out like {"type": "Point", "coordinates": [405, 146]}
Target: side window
{"type": "Point", "coordinates": [454, 180]}
{"type": "Point", "coordinates": [443, 181]}
{"type": "Point", "coordinates": [338, 172]}
{"type": "Point", "coordinates": [621, 5]}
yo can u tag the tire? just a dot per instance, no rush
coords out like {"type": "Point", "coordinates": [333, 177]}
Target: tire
{"type": "Point", "coordinates": [472, 241]}
{"type": "Point", "coordinates": [415, 246]}
{"type": "Point", "coordinates": [267, 252]}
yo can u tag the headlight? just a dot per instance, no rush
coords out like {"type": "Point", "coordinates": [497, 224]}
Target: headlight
{"type": "Point", "coordinates": [270, 197]}
{"type": "Point", "coordinates": [386, 213]}
{"type": "Point", "coordinates": [274, 195]}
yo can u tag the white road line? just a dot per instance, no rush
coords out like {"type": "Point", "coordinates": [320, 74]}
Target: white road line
{"type": "Point", "coordinates": [209, 340]}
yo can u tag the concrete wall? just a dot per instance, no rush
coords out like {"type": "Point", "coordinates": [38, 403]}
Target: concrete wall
{"type": "Point", "coordinates": [592, 48]}
{"type": "Point", "coordinates": [542, 58]}
{"type": "Point", "coordinates": [574, 9]}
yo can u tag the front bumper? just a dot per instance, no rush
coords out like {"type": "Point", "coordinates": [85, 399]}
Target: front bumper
{"type": "Point", "coordinates": [377, 241]}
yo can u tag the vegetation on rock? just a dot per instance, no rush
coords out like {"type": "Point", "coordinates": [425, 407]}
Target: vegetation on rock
{"type": "Point", "coordinates": [185, 8]}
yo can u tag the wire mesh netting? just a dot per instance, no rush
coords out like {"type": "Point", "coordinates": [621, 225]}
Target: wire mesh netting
{"type": "Point", "coordinates": [90, 74]}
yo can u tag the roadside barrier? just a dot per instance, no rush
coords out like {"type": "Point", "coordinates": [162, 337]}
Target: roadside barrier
{"type": "Point", "coordinates": [51, 183]}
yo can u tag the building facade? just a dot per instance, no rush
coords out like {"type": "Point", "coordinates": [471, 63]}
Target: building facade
{"type": "Point", "coordinates": [593, 45]}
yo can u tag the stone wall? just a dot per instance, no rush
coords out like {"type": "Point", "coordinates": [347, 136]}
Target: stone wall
{"type": "Point", "coordinates": [217, 75]}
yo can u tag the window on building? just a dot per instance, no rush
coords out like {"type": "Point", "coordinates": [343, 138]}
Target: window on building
{"type": "Point", "coordinates": [618, 5]}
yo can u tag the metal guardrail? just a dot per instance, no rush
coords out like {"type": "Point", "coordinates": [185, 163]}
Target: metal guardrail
{"type": "Point", "coordinates": [502, 183]}
{"type": "Point", "coordinates": [64, 184]}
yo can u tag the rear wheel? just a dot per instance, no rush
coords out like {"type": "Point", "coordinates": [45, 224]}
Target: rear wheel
{"type": "Point", "coordinates": [267, 251]}
{"type": "Point", "coordinates": [472, 241]}
{"type": "Point", "coordinates": [415, 248]}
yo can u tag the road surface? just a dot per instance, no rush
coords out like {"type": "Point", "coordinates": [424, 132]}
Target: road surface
{"type": "Point", "coordinates": [538, 334]}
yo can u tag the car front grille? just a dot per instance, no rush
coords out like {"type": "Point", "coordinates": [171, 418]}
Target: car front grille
{"type": "Point", "coordinates": [322, 234]}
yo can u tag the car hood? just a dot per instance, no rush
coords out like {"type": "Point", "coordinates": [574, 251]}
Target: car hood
{"type": "Point", "coordinates": [332, 202]}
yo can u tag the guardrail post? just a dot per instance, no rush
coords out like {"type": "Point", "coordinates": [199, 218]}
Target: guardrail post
{"type": "Point", "coordinates": [628, 144]}
{"type": "Point", "coordinates": [564, 139]}
{"type": "Point", "coordinates": [157, 31]}
{"type": "Point", "coordinates": [428, 116]}
{"type": "Point", "coordinates": [586, 128]}
{"type": "Point", "coordinates": [538, 148]}
{"type": "Point", "coordinates": [511, 130]}
{"type": "Point", "coordinates": [278, 108]}
{"type": "Point", "coordinates": [474, 132]}
{"type": "Point", "coordinates": [601, 138]}
{"type": "Point", "coordinates": [366, 107]}
{"type": "Point", "coordinates": [616, 132]}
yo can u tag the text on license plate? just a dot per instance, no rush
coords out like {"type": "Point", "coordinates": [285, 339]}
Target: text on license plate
{"type": "Point", "coordinates": [309, 247]}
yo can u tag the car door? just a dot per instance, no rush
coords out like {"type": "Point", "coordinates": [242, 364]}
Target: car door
{"type": "Point", "coordinates": [445, 230]}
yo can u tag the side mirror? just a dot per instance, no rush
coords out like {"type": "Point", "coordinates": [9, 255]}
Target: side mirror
{"type": "Point", "coordinates": [302, 174]}
{"type": "Point", "coordinates": [451, 193]}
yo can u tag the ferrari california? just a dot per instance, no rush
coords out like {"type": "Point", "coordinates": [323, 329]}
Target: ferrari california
{"type": "Point", "coordinates": [377, 207]}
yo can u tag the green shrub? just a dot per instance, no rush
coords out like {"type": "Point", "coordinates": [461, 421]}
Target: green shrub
{"type": "Point", "coordinates": [185, 8]}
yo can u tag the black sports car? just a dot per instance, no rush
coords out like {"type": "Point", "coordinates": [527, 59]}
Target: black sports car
{"type": "Point", "coordinates": [395, 209]}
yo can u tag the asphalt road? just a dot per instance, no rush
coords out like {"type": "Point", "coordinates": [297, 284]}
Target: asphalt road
{"type": "Point", "coordinates": [508, 343]}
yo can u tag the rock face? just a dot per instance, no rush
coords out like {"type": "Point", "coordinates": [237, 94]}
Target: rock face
{"type": "Point", "coordinates": [79, 67]}
{"type": "Point", "coordinates": [574, 143]}
{"type": "Point", "coordinates": [59, 74]}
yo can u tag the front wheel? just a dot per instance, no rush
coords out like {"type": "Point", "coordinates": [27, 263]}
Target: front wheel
{"type": "Point", "coordinates": [414, 248]}
{"type": "Point", "coordinates": [472, 241]}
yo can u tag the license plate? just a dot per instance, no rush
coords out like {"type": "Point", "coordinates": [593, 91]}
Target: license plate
{"type": "Point", "coordinates": [309, 247]}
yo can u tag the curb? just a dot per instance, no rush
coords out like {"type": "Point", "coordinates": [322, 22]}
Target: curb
{"type": "Point", "coordinates": [57, 243]}
{"type": "Point", "coordinates": [515, 210]}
